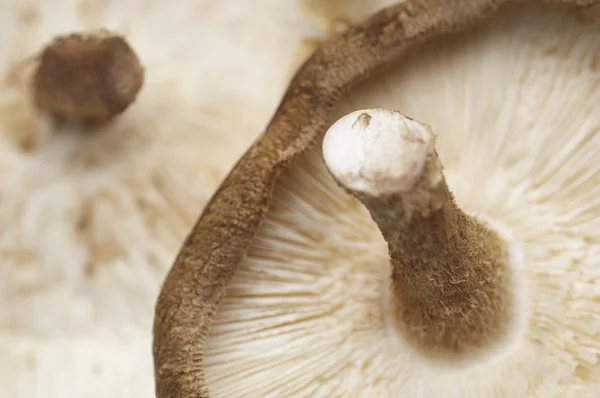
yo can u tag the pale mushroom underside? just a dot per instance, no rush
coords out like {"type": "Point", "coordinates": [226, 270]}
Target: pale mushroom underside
{"type": "Point", "coordinates": [515, 107]}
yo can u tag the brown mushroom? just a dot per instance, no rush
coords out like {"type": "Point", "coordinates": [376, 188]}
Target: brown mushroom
{"type": "Point", "coordinates": [87, 77]}
{"type": "Point", "coordinates": [278, 209]}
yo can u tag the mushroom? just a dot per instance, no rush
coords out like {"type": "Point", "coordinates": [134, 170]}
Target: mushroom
{"type": "Point", "coordinates": [383, 260]}
{"type": "Point", "coordinates": [87, 77]}
{"type": "Point", "coordinates": [92, 215]}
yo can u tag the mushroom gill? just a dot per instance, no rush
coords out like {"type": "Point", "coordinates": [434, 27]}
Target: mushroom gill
{"type": "Point", "coordinates": [515, 105]}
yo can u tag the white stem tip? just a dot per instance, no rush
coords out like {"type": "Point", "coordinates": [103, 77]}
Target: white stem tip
{"type": "Point", "coordinates": [377, 151]}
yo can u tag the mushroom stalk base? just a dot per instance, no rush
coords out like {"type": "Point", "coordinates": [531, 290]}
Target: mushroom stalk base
{"type": "Point", "coordinates": [450, 272]}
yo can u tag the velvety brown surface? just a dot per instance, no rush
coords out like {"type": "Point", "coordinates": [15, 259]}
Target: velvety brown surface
{"type": "Point", "coordinates": [88, 77]}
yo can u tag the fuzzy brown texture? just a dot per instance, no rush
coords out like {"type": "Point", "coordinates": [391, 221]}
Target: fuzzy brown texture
{"type": "Point", "coordinates": [217, 244]}
{"type": "Point", "coordinates": [87, 77]}
{"type": "Point", "coordinates": [450, 273]}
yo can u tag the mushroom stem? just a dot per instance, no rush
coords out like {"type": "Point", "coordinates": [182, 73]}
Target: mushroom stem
{"type": "Point", "coordinates": [450, 272]}
{"type": "Point", "coordinates": [87, 77]}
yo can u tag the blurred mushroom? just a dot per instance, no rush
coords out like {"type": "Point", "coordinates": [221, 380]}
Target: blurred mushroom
{"type": "Point", "coordinates": [282, 289]}
{"type": "Point", "coordinates": [89, 223]}
{"type": "Point", "coordinates": [87, 77]}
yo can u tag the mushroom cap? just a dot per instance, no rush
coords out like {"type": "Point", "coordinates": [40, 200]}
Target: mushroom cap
{"type": "Point", "coordinates": [306, 312]}
{"type": "Point", "coordinates": [90, 223]}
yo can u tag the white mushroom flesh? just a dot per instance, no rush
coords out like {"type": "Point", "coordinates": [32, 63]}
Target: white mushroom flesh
{"type": "Point", "coordinates": [377, 151]}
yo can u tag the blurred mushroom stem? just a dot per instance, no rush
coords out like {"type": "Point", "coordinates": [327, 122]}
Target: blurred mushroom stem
{"type": "Point", "coordinates": [87, 77]}
{"type": "Point", "coordinates": [450, 271]}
